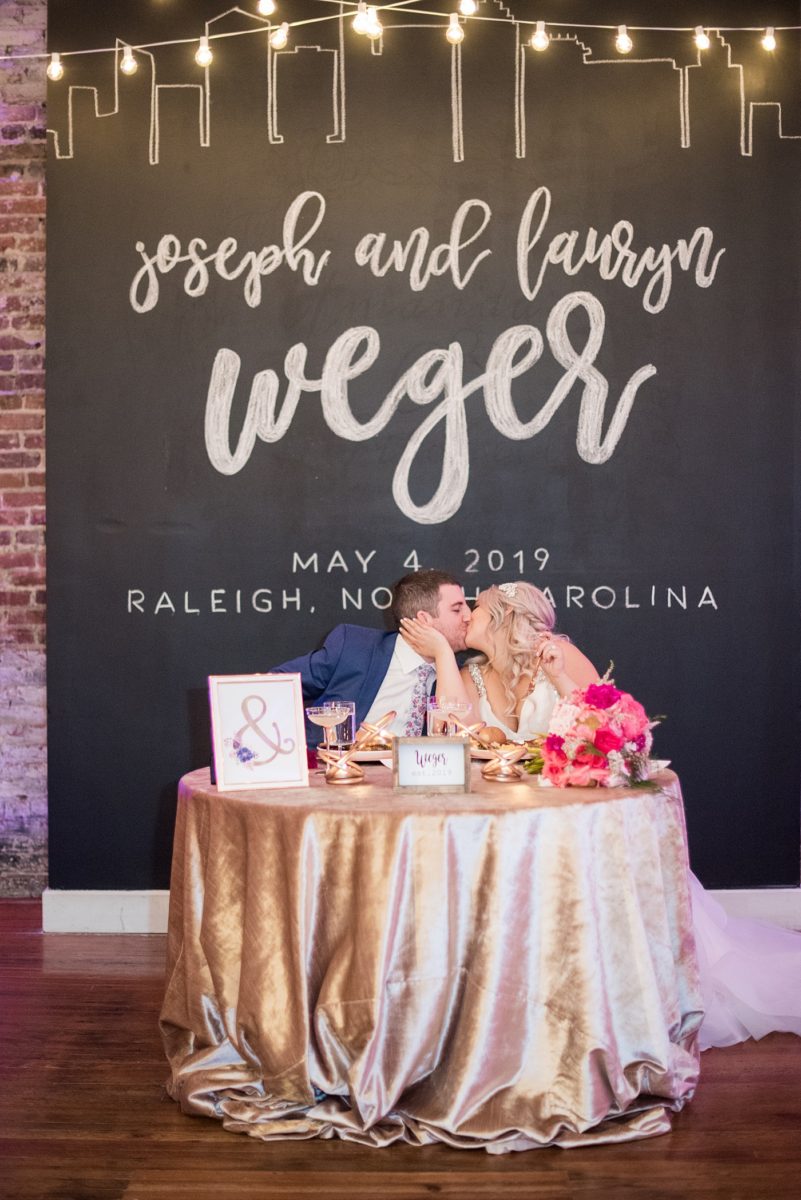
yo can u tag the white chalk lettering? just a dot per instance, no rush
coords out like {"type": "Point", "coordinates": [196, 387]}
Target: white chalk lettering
{"type": "Point", "coordinates": [612, 254]}
{"type": "Point", "coordinates": [364, 561]}
{"type": "Point", "coordinates": [299, 565]}
{"type": "Point", "coordinates": [414, 256]}
{"type": "Point", "coordinates": [435, 379]}
{"type": "Point", "coordinates": [261, 600]}
{"type": "Point", "coordinates": [307, 208]}
{"type": "Point", "coordinates": [337, 561]}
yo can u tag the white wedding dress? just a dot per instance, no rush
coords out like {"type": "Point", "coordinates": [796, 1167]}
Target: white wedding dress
{"type": "Point", "coordinates": [535, 713]}
{"type": "Point", "coordinates": [750, 971]}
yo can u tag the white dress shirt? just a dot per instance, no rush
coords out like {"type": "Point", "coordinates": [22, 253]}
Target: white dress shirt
{"type": "Point", "coordinates": [397, 687]}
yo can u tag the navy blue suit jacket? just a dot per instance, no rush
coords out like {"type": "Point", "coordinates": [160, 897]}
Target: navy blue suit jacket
{"type": "Point", "coordinates": [350, 665]}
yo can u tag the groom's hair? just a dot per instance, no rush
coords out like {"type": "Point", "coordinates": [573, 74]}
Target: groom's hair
{"type": "Point", "coordinates": [418, 590]}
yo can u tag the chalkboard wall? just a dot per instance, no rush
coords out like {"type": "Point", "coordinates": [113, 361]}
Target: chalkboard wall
{"type": "Point", "coordinates": [318, 316]}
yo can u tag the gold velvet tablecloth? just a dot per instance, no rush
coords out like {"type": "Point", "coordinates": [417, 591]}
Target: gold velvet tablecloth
{"type": "Point", "coordinates": [509, 968]}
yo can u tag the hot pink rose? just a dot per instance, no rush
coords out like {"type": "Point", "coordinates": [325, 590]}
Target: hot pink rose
{"type": "Point", "coordinates": [554, 743]}
{"type": "Point", "coordinates": [607, 739]}
{"type": "Point", "coordinates": [602, 695]}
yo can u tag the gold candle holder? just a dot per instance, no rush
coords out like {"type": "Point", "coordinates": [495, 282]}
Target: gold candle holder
{"type": "Point", "coordinates": [340, 769]}
{"type": "Point", "coordinates": [376, 731]}
{"type": "Point", "coordinates": [502, 767]}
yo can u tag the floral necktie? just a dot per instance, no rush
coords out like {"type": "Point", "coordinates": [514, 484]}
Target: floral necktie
{"type": "Point", "coordinates": [419, 700]}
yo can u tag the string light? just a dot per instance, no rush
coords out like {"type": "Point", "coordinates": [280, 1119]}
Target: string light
{"type": "Point", "coordinates": [280, 36]}
{"type": "Point", "coordinates": [129, 64]}
{"type": "Point", "coordinates": [623, 42]}
{"type": "Point", "coordinates": [361, 20]}
{"type": "Point", "coordinates": [454, 33]}
{"type": "Point", "coordinates": [373, 28]}
{"type": "Point", "coordinates": [54, 68]}
{"type": "Point", "coordinates": [540, 39]}
{"type": "Point", "coordinates": [265, 8]}
{"type": "Point", "coordinates": [468, 8]}
{"type": "Point", "coordinates": [203, 54]}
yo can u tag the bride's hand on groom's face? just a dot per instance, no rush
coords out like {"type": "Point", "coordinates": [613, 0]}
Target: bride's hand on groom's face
{"type": "Point", "coordinates": [425, 639]}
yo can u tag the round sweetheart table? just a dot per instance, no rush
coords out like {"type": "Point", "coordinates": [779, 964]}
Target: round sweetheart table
{"type": "Point", "coordinates": [507, 968]}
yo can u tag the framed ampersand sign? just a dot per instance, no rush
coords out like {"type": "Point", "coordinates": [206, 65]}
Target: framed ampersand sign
{"type": "Point", "coordinates": [257, 731]}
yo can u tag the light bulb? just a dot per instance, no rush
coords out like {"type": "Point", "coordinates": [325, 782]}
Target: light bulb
{"type": "Point", "coordinates": [454, 32]}
{"type": "Point", "coordinates": [361, 20]}
{"type": "Point", "coordinates": [468, 8]}
{"type": "Point", "coordinates": [54, 67]}
{"type": "Point", "coordinates": [769, 41]}
{"type": "Point", "coordinates": [540, 39]}
{"type": "Point", "coordinates": [203, 54]}
{"type": "Point", "coordinates": [265, 8]}
{"type": "Point", "coordinates": [129, 64]}
{"type": "Point", "coordinates": [280, 36]}
{"type": "Point", "coordinates": [373, 28]}
{"type": "Point", "coordinates": [623, 42]}
{"type": "Point", "coordinates": [701, 38]}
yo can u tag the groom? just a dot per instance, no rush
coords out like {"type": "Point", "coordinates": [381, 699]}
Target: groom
{"type": "Point", "coordinates": [380, 670]}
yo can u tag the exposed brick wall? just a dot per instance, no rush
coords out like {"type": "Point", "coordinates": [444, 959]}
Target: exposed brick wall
{"type": "Point", "coordinates": [23, 750]}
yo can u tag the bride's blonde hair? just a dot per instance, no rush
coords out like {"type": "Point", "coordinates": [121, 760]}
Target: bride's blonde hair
{"type": "Point", "coordinates": [520, 614]}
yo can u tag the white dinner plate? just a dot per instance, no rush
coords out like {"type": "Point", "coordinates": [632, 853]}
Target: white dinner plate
{"type": "Point", "coordinates": [368, 756]}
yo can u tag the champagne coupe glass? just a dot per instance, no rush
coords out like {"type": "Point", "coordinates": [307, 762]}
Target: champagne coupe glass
{"type": "Point", "coordinates": [327, 716]}
{"type": "Point", "coordinates": [457, 708]}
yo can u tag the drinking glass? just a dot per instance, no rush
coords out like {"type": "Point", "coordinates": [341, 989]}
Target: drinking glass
{"type": "Point", "coordinates": [343, 732]}
{"type": "Point", "coordinates": [435, 719]}
{"type": "Point", "coordinates": [439, 709]}
{"type": "Point", "coordinates": [327, 716]}
{"type": "Point", "coordinates": [456, 708]}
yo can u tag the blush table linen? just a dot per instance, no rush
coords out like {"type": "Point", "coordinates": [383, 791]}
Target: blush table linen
{"type": "Point", "coordinates": [503, 969]}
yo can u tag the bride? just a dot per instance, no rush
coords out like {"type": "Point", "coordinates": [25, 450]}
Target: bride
{"type": "Point", "coordinates": [750, 971]}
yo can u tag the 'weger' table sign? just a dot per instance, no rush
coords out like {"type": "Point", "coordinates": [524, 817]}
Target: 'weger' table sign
{"type": "Point", "coordinates": [431, 764]}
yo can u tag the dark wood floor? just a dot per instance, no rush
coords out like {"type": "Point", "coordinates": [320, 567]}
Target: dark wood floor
{"type": "Point", "coordinates": [84, 1115]}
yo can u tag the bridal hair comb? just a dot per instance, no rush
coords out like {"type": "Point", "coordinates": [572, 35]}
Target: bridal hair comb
{"type": "Point", "coordinates": [508, 589]}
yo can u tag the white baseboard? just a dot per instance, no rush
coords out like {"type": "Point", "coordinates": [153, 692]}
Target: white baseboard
{"type": "Point", "coordinates": [146, 911]}
{"type": "Point", "coordinates": [104, 912]}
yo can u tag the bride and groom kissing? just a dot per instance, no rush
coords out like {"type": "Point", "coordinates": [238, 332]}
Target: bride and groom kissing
{"type": "Point", "coordinates": [520, 668]}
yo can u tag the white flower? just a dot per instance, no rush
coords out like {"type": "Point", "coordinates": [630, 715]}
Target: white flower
{"type": "Point", "coordinates": [564, 718]}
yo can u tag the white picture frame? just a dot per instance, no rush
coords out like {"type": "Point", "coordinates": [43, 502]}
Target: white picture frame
{"type": "Point", "coordinates": [257, 731]}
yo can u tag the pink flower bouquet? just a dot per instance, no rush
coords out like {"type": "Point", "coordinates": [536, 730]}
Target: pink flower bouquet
{"type": "Point", "coordinates": [598, 737]}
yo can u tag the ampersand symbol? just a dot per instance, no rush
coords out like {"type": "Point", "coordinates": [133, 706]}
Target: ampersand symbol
{"type": "Point", "coordinates": [279, 745]}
